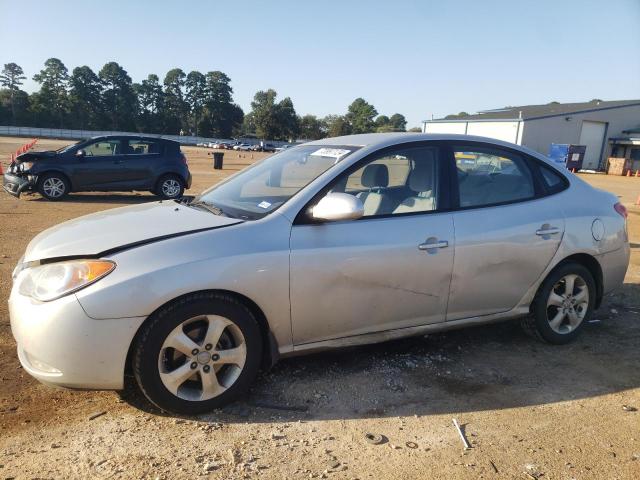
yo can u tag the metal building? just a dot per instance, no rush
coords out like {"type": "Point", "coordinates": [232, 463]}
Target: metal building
{"type": "Point", "coordinates": [591, 124]}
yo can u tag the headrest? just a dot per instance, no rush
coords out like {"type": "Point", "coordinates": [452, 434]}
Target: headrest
{"type": "Point", "coordinates": [421, 177]}
{"type": "Point", "coordinates": [375, 175]}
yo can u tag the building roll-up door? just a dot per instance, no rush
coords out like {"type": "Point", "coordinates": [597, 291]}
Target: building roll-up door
{"type": "Point", "coordinates": [592, 136]}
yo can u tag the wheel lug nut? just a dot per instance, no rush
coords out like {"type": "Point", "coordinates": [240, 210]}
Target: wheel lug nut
{"type": "Point", "coordinates": [194, 351]}
{"type": "Point", "coordinates": [208, 346]}
{"type": "Point", "coordinates": [194, 365]}
{"type": "Point", "coordinates": [206, 368]}
{"type": "Point", "coordinates": [215, 357]}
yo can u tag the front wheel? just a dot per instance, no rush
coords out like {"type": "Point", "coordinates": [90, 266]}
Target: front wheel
{"type": "Point", "coordinates": [53, 186]}
{"type": "Point", "coordinates": [198, 354]}
{"type": "Point", "coordinates": [563, 304]}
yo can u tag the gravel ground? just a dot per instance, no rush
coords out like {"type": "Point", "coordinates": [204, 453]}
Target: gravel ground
{"type": "Point", "coordinates": [529, 410]}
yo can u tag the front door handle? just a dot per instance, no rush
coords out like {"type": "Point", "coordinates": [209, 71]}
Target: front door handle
{"type": "Point", "coordinates": [432, 243]}
{"type": "Point", "coordinates": [118, 162]}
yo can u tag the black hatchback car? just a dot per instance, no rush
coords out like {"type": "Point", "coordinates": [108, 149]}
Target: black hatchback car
{"type": "Point", "coordinates": [108, 163]}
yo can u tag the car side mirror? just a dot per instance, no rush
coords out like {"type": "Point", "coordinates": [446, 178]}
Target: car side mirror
{"type": "Point", "coordinates": [81, 153]}
{"type": "Point", "coordinates": [338, 206]}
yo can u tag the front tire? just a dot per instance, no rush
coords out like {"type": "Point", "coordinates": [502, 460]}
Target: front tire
{"type": "Point", "coordinates": [53, 186]}
{"type": "Point", "coordinates": [563, 304]}
{"type": "Point", "coordinates": [197, 354]}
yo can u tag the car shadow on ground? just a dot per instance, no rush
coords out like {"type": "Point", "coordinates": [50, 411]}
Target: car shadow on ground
{"type": "Point", "coordinates": [482, 368]}
{"type": "Point", "coordinates": [116, 198]}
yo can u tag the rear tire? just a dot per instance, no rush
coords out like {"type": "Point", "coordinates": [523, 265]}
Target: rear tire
{"type": "Point", "coordinates": [197, 354]}
{"type": "Point", "coordinates": [169, 187]}
{"type": "Point", "coordinates": [563, 304]}
{"type": "Point", "coordinates": [53, 186]}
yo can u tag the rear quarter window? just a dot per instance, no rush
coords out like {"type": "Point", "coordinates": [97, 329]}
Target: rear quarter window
{"type": "Point", "coordinates": [553, 181]}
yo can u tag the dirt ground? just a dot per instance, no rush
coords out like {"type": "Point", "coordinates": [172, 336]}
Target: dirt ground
{"type": "Point", "coordinates": [529, 410]}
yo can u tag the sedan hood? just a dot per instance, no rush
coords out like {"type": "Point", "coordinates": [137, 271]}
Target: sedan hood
{"type": "Point", "coordinates": [29, 156]}
{"type": "Point", "coordinates": [104, 232]}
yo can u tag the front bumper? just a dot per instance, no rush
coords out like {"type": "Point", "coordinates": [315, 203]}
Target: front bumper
{"type": "Point", "coordinates": [59, 344]}
{"type": "Point", "coordinates": [16, 184]}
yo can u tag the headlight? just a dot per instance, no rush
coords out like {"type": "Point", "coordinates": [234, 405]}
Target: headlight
{"type": "Point", "coordinates": [55, 280]}
{"type": "Point", "coordinates": [26, 166]}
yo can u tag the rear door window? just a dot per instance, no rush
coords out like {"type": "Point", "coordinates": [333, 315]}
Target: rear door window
{"type": "Point", "coordinates": [488, 176]}
{"type": "Point", "coordinates": [143, 147]}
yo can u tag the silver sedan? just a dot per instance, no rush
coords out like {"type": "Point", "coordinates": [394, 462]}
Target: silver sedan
{"type": "Point", "coordinates": [338, 242]}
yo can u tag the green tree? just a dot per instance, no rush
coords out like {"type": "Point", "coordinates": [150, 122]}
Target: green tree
{"type": "Point", "coordinates": [398, 122]}
{"type": "Point", "coordinates": [151, 104]}
{"type": "Point", "coordinates": [85, 99]}
{"type": "Point", "coordinates": [196, 89]}
{"type": "Point", "coordinates": [14, 107]}
{"type": "Point", "coordinates": [337, 125]}
{"type": "Point", "coordinates": [52, 101]}
{"type": "Point", "coordinates": [287, 120]}
{"type": "Point", "coordinates": [312, 128]}
{"type": "Point", "coordinates": [118, 97]}
{"type": "Point", "coordinates": [174, 103]}
{"type": "Point", "coordinates": [221, 117]}
{"type": "Point", "coordinates": [274, 121]}
{"type": "Point", "coordinates": [360, 115]}
{"type": "Point", "coordinates": [415, 130]}
{"type": "Point", "coordinates": [456, 116]}
{"type": "Point", "coordinates": [12, 77]}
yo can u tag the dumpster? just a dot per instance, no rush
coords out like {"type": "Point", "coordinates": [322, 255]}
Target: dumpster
{"type": "Point", "coordinates": [217, 160]}
{"type": "Point", "coordinates": [570, 156]}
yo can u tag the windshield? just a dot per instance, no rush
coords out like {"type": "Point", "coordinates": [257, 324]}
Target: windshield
{"type": "Point", "coordinates": [69, 147]}
{"type": "Point", "coordinates": [262, 188]}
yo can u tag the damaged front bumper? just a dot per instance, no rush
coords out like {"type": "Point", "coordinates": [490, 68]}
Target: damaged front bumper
{"type": "Point", "coordinates": [16, 183]}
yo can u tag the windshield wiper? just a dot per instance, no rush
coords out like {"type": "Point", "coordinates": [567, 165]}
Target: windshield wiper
{"type": "Point", "coordinates": [210, 208]}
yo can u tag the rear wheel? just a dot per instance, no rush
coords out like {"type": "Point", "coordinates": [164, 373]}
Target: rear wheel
{"type": "Point", "coordinates": [53, 186]}
{"type": "Point", "coordinates": [170, 186]}
{"type": "Point", "coordinates": [198, 354]}
{"type": "Point", "coordinates": [563, 304]}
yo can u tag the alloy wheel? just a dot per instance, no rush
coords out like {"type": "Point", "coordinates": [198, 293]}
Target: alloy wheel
{"type": "Point", "coordinates": [202, 357]}
{"type": "Point", "coordinates": [170, 188]}
{"type": "Point", "coordinates": [567, 304]}
{"type": "Point", "coordinates": [53, 187]}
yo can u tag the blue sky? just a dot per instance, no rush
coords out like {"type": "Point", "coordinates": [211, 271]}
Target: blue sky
{"type": "Point", "coordinates": [414, 57]}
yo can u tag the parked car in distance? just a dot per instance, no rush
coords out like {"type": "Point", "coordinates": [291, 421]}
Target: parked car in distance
{"type": "Point", "coordinates": [106, 163]}
{"type": "Point", "coordinates": [264, 147]}
{"type": "Point", "coordinates": [242, 146]}
{"type": "Point", "coordinates": [282, 148]}
{"type": "Point", "coordinates": [363, 239]}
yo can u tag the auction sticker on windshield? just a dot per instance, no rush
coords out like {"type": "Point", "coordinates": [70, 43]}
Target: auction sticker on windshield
{"type": "Point", "coordinates": [336, 153]}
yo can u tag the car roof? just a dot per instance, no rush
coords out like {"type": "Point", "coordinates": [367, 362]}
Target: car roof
{"type": "Point", "coordinates": [374, 141]}
{"type": "Point", "coordinates": [132, 135]}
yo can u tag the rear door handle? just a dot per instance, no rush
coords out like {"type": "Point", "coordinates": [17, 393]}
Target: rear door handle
{"type": "Point", "coordinates": [433, 243]}
{"type": "Point", "coordinates": [118, 162]}
{"type": "Point", "coordinates": [547, 231]}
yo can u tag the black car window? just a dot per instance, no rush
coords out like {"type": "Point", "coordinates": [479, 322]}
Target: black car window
{"type": "Point", "coordinates": [103, 148]}
{"type": "Point", "coordinates": [142, 147]}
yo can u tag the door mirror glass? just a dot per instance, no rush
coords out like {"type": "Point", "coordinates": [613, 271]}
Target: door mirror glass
{"type": "Point", "coordinates": [338, 206]}
{"type": "Point", "coordinates": [81, 153]}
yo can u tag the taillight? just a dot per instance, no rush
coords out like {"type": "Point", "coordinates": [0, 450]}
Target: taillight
{"type": "Point", "coordinates": [184, 158]}
{"type": "Point", "coordinates": [621, 209]}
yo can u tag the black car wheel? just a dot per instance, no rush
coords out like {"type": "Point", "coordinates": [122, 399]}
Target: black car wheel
{"type": "Point", "coordinates": [53, 186]}
{"type": "Point", "coordinates": [198, 353]}
{"type": "Point", "coordinates": [170, 186]}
